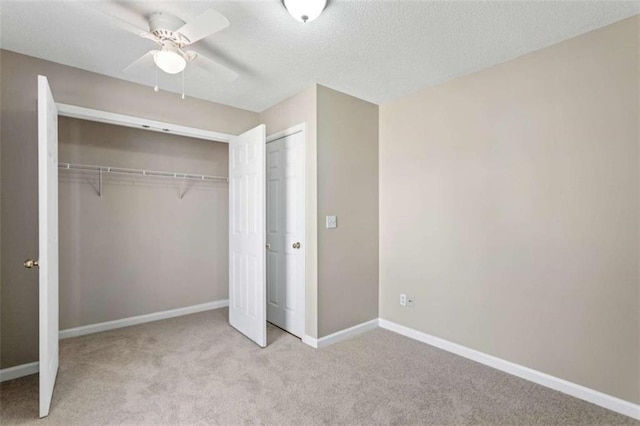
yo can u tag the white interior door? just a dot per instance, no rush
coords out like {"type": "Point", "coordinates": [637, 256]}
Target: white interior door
{"type": "Point", "coordinates": [247, 276]}
{"type": "Point", "coordinates": [285, 233]}
{"type": "Point", "coordinates": [48, 241]}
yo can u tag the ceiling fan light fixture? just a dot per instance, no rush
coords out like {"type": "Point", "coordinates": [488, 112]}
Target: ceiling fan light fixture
{"type": "Point", "coordinates": [169, 60]}
{"type": "Point", "coordinates": [305, 10]}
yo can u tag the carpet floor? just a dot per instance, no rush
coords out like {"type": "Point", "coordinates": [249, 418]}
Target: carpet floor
{"type": "Point", "coordinates": [196, 369]}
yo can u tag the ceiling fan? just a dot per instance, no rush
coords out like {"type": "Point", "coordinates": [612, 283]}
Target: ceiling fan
{"type": "Point", "coordinates": [172, 35]}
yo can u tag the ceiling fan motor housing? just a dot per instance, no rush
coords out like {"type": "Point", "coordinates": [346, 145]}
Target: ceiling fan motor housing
{"type": "Point", "coordinates": [163, 26]}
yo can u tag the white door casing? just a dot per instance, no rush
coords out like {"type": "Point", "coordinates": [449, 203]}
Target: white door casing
{"type": "Point", "coordinates": [285, 233]}
{"type": "Point", "coordinates": [48, 241]}
{"type": "Point", "coordinates": [247, 217]}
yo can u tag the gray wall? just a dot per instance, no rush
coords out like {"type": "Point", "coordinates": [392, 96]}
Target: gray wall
{"type": "Point", "coordinates": [347, 188]}
{"type": "Point", "coordinates": [509, 210]}
{"type": "Point", "coordinates": [19, 240]}
{"type": "Point", "coordinates": [139, 249]}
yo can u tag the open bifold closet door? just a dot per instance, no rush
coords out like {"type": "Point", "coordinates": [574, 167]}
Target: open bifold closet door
{"type": "Point", "coordinates": [247, 234]}
{"type": "Point", "coordinates": [48, 242]}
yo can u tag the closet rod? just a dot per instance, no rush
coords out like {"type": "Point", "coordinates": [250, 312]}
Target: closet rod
{"type": "Point", "coordinates": [140, 172]}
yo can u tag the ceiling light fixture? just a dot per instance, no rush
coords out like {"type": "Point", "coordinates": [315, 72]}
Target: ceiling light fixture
{"type": "Point", "coordinates": [169, 60]}
{"type": "Point", "coordinates": [305, 10]}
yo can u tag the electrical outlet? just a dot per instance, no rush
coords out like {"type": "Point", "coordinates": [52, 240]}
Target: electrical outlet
{"type": "Point", "coordinates": [410, 302]}
{"type": "Point", "coordinates": [403, 299]}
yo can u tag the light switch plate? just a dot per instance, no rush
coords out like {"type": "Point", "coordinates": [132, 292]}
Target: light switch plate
{"type": "Point", "coordinates": [332, 222]}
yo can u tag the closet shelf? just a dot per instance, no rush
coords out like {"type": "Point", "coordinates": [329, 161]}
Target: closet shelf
{"type": "Point", "coordinates": [100, 170]}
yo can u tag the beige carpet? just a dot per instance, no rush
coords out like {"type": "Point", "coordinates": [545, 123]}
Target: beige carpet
{"type": "Point", "coordinates": [198, 370]}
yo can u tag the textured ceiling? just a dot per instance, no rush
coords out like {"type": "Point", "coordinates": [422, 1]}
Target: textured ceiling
{"type": "Point", "coordinates": [375, 50]}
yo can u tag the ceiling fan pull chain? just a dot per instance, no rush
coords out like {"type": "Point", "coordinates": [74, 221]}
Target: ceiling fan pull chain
{"type": "Point", "coordinates": [183, 83]}
{"type": "Point", "coordinates": [155, 88]}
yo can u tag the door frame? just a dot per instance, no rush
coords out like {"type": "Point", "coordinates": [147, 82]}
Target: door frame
{"type": "Point", "coordinates": [299, 128]}
{"type": "Point", "coordinates": [101, 116]}
{"type": "Point", "coordinates": [74, 111]}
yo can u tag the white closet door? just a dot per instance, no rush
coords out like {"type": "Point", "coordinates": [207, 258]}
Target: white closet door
{"type": "Point", "coordinates": [247, 276]}
{"type": "Point", "coordinates": [285, 233]}
{"type": "Point", "coordinates": [48, 241]}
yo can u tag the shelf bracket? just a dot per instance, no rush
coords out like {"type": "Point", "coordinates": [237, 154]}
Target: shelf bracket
{"type": "Point", "coordinates": [183, 187]}
{"type": "Point", "coordinates": [100, 182]}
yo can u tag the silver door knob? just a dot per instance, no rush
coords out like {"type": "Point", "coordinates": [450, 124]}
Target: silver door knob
{"type": "Point", "coordinates": [268, 246]}
{"type": "Point", "coordinates": [296, 245]}
{"type": "Point", "coordinates": [30, 263]}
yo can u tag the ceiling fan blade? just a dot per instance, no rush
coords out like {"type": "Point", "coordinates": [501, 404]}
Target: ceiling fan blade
{"type": "Point", "coordinates": [219, 71]}
{"type": "Point", "coordinates": [123, 18]}
{"type": "Point", "coordinates": [146, 58]}
{"type": "Point", "coordinates": [203, 25]}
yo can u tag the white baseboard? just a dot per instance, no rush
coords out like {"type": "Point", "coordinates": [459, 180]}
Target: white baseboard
{"type": "Point", "coordinates": [311, 341]}
{"type": "Point", "coordinates": [18, 371]}
{"type": "Point", "coordinates": [598, 398]}
{"type": "Point", "coordinates": [141, 319]}
{"type": "Point", "coordinates": [338, 336]}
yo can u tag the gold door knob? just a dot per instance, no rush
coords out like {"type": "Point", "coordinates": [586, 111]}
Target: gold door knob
{"type": "Point", "coordinates": [296, 245]}
{"type": "Point", "coordinates": [30, 263]}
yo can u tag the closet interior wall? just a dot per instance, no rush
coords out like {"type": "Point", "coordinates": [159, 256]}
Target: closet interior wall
{"type": "Point", "coordinates": [139, 248]}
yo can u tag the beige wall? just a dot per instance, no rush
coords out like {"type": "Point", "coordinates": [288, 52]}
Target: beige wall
{"type": "Point", "coordinates": [302, 108]}
{"type": "Point", "coordinates": [19, 240]}
{"type": "Point", "coordinates": [509, 210]}
{"type": "Point", "coordinates": [139, 249]}
{"type": "Point", "coordinates": [347, 188]}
